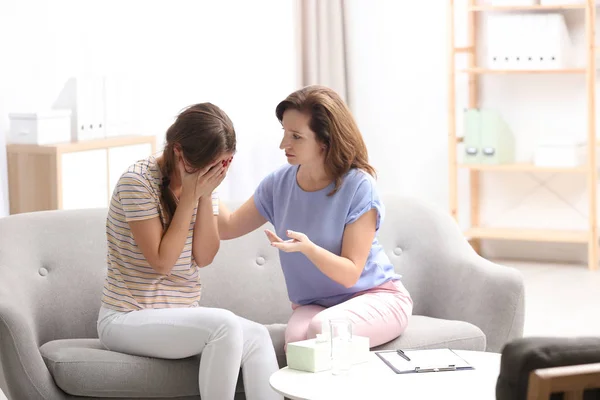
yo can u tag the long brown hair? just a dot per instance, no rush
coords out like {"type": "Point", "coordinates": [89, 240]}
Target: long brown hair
{"type": "Point", "coordinates": [334, 126]}
{"type": "Point", "coordinates": [202, 132]}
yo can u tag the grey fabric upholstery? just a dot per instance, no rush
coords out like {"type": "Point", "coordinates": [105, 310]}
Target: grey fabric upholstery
{"type": "Point", "coordinates": [52, 266]}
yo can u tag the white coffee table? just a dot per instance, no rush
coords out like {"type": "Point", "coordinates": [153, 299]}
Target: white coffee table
{"type": "Point", "coordinates": [374, 379]}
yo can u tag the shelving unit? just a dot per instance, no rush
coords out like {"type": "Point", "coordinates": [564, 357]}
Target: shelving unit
{"type": "Point", "coordinates": [68, 175]}
{"type": "Point", "coordinates": [477, 232]}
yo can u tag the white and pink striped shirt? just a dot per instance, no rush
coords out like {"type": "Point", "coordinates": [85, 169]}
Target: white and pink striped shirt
{"type": "Point", "coordinates": [131, 283]}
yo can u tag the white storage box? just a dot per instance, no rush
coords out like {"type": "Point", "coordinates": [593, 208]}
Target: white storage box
{"type": "Point", "coordinates": [47, 127]}
{"type": "Point", "coordinates": [562, 2]}
{"type": "Point", "coordinates": [559, 152]}
{"type": "Point", "coordinates": [514, 2]}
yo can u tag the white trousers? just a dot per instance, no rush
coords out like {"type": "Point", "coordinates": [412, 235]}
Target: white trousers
{"type": "Point", "coordinates": [225, 340]}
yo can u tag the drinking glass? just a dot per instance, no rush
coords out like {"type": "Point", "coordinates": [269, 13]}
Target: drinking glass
{"type": "Point", "coordinates": [341, 346]}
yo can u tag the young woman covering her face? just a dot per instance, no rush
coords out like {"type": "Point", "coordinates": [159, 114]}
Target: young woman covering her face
{"type": "Point", "coordinates": [161, 228]}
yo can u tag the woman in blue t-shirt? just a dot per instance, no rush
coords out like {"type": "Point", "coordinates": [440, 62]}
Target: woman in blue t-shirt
{"type": "Point", "coordinates": [326, 212]}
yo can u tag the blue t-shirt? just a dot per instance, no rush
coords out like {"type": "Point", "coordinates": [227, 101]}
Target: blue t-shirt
{"type": "Point", "coordinates": [322, 218]}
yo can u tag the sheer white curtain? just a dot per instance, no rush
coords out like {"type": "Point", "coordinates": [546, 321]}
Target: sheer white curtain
{"type": "Point", "coordinates": [323, 46]}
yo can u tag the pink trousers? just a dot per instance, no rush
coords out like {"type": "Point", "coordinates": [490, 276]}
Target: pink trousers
{"type": "Point", "coordinates": [381, 314]}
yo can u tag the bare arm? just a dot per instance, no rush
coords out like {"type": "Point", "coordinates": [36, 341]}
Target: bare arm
{"type": "Point", "coordinates": [206, 240]}
{"type": "Point", "coordinates": [163, 251]}
{"type": "Point", "coordinates": [242, 221]}
{"type": "Point", "coordinates": [346, 268]}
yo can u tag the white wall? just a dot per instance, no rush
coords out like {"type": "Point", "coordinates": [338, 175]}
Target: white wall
{"type": "Point", "coordinates": [237, 54]}
{"type": "Point", "coordinates": [234, 53]}
{"type": "Point", "coordinates": [399, 94]}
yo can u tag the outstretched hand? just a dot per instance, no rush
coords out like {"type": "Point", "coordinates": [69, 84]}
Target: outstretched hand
{"type": "Point", "coordinates": [298, 242]}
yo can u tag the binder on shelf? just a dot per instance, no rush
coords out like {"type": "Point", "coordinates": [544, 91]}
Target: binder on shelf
{"type": "Point", "coordinates": [487, 138]}
{"type": "Point", "coordinates": [421, 361]}
{"type": "Point", "coordinates": [529, 42]}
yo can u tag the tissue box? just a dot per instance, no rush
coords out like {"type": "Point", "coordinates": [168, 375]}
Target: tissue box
{"type": "Point", "coordinates": [314, 356]}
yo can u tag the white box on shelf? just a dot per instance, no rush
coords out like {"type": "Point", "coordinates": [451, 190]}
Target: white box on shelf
{"type": "Point", "coordinates": [560, 152]}
{"type": "Point", "coordinates": [44, 127]}
{"type": "Point", "coordinates": [563, 2]}
{"type": "Point", "coordinates": [514, 2]}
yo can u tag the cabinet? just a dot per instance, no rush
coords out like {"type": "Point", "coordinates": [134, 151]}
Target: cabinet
{"type": "Point", "coordinates": [477, 231]}
{"type": "Point", "coordinates": [70, 175]}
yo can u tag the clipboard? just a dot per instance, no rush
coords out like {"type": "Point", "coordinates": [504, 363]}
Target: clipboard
{"type": "Point", "coordinates": [422, 361]}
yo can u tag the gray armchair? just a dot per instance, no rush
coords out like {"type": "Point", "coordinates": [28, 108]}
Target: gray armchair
{"type": "Point", "coordinates": [52, 267]}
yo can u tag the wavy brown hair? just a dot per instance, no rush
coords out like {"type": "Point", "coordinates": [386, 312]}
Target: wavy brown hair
{"type": "Point", "coordinates": [202, 132]}
{"type": "Point", "coordinates": [333, 125]}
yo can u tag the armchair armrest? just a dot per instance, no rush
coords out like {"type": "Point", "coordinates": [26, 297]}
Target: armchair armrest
{"type": "Point", "coordinates": [447, 278]}
{"type": "Point", "coordinates": [25, 372]}
{"type": "Point", "coordinates": [485, 294]}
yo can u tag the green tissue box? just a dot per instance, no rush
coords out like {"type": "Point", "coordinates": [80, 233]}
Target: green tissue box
{"type": "Point", "coordinates": [314, 355]}
{"type": "Point", "coordinates": [487, 138]}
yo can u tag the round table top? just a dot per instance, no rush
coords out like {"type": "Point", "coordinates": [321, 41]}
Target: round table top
{"type": "Point", "coordinates": [374, 379]}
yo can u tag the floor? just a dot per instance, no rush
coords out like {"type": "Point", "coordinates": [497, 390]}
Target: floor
{"type": "Point", "coordinates": [560, 299]}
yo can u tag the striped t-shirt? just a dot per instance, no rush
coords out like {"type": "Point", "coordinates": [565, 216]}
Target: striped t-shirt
{"type": "Point", "coordinates": [131, 283]}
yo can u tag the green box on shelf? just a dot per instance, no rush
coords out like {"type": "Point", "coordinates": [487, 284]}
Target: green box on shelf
{"type": "Point", "coordinates": [487, 138]}
{"type": "Point", "coordinates": [472, 137]}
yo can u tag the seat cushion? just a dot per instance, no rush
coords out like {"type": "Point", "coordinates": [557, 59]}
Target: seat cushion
{"type": "Point", "coordinates": [277, 332]}
{"type": "Point", "coordinates": [430, 333]}
{"type": "Point", "coordinates": [83, 367]}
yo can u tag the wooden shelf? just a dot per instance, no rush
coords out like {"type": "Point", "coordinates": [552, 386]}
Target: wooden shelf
{"type": "Point", "coordinates": [553, 7]}
{"type": "Point", "coordinates": [45, 177]}
{"type": "Point", "coordinates": [535, 235]}
{"type": "Point", "coordinates": [524, 71]}
{"type": "Point", "coordinates": [522, 167]}
{"type": "Point", "coordinates": [469, 54]}
{"type": "Point", "coordinates": [82, 145]}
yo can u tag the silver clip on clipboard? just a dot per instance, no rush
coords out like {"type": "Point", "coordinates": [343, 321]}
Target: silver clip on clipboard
{"type": "Point", "coordinates": [420, 361]}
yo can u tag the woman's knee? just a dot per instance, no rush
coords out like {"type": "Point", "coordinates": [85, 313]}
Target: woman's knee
{"type": "Point", "coordinates": [315, 325]}
{"type": "Point", "coordinates": [226, 324]}
{"type": "Point", "coordinates": [295, 333]}
{"type": "Point", "coordinates": [257, 331]}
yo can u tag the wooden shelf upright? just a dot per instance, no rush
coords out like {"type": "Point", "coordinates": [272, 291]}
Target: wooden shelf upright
{"type": "Point", "coordinates": [477, 232]}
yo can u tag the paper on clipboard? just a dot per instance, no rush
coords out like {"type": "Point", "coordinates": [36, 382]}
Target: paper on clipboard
{"type": "Point", "coordinates": [431, 360]}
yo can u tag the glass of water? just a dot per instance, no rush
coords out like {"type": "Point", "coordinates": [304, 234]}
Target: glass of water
{"type": "Point", "coordinates": [341, 345]}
